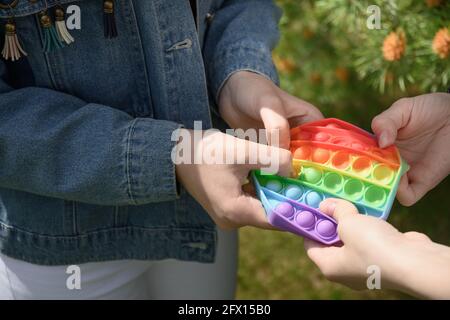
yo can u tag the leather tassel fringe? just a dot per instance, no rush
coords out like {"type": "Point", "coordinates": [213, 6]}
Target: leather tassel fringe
{"type": "Point", "coordinates": [12, 50]}
{"type": "Point", "coordinates": [109, 20]}
{"type": "Point", "coordinates": [61, 29]}
{"type": "Point", "coordinates": [51, 39]}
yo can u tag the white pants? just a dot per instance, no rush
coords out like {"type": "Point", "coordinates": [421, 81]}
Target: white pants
{"type": "Point", "coordinates": [125, 279]}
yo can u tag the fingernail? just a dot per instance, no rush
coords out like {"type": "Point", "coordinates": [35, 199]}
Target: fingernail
{"type": "Point", "coordinates": [332, 206]}
{"type": "Point", "coordinates": [383, 140]}
{"type": "Point", "coordinates": [329, 206]}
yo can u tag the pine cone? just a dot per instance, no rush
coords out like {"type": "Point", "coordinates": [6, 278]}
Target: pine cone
{"type": "Point", "coordinates": [433, 3]}
{"type": "Point", "coordinates": [441, 43]}
{"type": "Point", "coordinates": [394, 46]}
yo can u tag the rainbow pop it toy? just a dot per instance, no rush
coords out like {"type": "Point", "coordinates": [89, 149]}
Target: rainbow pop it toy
{"type": "Point", "coordinates": [332, 159]}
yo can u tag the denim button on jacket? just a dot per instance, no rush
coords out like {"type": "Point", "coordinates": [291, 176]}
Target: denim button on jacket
{"type": "Point", "coordinates": [85, 131]}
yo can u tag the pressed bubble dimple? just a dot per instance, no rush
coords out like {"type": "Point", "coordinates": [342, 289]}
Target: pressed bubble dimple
{"type": "Point", "coordinates": [274, 185]}
{"type": "Point", "coordinates": [362, 166]}
{"type": "Point", "coordinates": [383, 174]}
{"type": "Point", "coordinates": [333, 181]}
{"type": "Point", "coordinates": [326, 228]}
{"type": "Point", "coordinates": [306, 219]}
{"type": "Point", "coordinates": [375, 196]}
{"type": "Point", "coordinates": [293, 192]}
{"type": "Point", "coordinates": [353, 188]}
{"type": "Point", "coordinates": [341, 160]}
{"type": "Point", "coordinates": [285, 209]}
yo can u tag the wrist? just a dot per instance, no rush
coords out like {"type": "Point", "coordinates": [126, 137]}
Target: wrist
{"type": "Point", "coordinates": [389, 256]}
{"type": "Point", "coordinates": [398, 262]}
{"type": "Point", "coordinates": [419, 268]}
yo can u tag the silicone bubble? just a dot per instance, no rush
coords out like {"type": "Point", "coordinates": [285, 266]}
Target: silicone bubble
{"type": "Point", "coordinates": [333, 125]}
{"type": "Point", "coordinates": [320, 155]}
{"type": "Point", "coordinates": [293, 192]}
{"type": "Point", "coordinates": [353, 189]}
{"type": "Point", "coordinates": [375, 196]}
{"type": "Point", "coordinates": [313, 199]}
{"type": "Point", "coordinates": [326, 229]}
{"type": "Point", "coordinates": [274, 203]}
{"type": "Point", "coordinates": [321, 136]}
{"type": "Point", "coordinates": [333, 181]}
{"type": "Point", "coordinates": [302, 135]}
{"type": "Point", "coordinates": [332, 159]}
{"type": "Point", "coordinates": [302, 153]}
{"type": "Point", "coordinates": [274, 185]}
{"type": "Point", "coordinates": [383, 174]}
{"type": "Point", "coordinates": [358, 146]}
{"type": "Point", "coordinates": [306, 219]}
{"type": "Point", "coordinates": [312, 175]}
{"type": "Point", "coordinates": [362, 166]}
{"type": "Point", "coordinates": [285, 209]}
{"type": "Point", "coordinates": [341, 160]}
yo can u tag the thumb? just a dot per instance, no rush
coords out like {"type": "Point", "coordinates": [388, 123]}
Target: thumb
{"type": "Point", "coordinates": [327, 258]}
{"type": "Point", "coordinates": [276, 123]}
{"type": "Point", "coordinates": [270, 159]}
{"type": "Point", "coordinates": [387, 124]}
{"type": "Point", "coordinates": [337, 208]}
{"type": "Point", "coordinates": [251, 212]}
{"type": "Point", "coordinates": [414, 184]}
{"type": "Point", "coordinates": [341, 211]}
{"type": "Point", "coordinates": [299, 111]}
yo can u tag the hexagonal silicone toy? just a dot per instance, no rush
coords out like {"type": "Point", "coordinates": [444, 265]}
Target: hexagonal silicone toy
{"type": "Point", "coordinates": [332, 159]}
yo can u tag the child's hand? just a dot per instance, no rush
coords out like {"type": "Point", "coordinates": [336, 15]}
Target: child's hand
{"type": "Point", "coordinates": [249, 100]}
{"type": "Point", "coordinates": [367, 241]}
{"type": "Point", "coordinates": [218, 187]}
{"type": "Point", "coordinates": [409, 262]}
{"type": "Point", "coordinates": [420, 127]}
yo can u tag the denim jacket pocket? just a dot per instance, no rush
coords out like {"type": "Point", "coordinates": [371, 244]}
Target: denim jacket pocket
{"type": "Point", "coordinates": [90, 218]}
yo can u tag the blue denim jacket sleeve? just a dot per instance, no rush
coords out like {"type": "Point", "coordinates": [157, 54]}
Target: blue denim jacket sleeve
{"type": "Point", "coordinates": [241, 36]}
{"type": "Point", "coordinates": [57, 145]}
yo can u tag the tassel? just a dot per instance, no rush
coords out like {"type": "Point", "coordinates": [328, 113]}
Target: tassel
{"type": "Point", "coordinates": [109, 21]}
{"type": "Point", "coordinates": [61, 29]}
{"type": "Point", "coordinates": [12, 48]}
{"type": "Point", "coordinates": [51, 39]}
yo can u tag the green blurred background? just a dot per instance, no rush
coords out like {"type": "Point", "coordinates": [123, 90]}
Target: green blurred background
{"type": "Point", "coordinates": [318, 61]}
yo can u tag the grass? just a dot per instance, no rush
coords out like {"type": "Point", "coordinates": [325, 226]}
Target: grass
{"type": "Point", "coordinates": [274, 265]}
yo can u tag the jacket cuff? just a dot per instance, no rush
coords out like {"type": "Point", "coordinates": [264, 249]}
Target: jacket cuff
{"type": "Point", "coordinates": [242, 56]}
{"type": "Point", "coordinates": [149, 167]}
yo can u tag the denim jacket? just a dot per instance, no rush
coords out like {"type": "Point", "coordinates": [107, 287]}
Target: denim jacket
{"type": "Point", "coordinates": [85, 130]}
